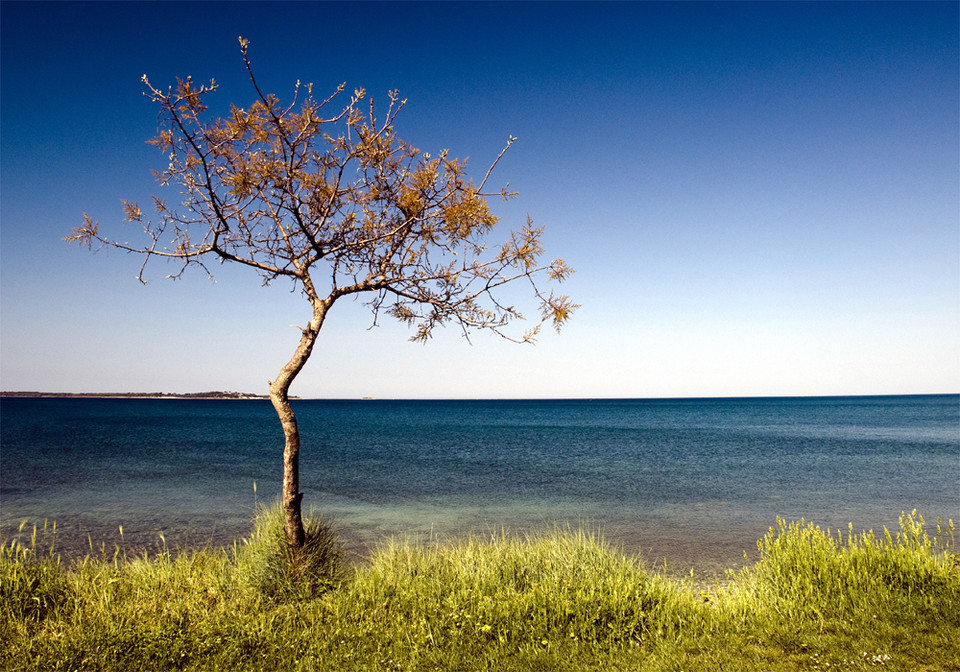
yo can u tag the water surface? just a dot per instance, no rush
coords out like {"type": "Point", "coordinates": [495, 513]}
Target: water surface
{"type": "Point", "coordinates": [694, 482]}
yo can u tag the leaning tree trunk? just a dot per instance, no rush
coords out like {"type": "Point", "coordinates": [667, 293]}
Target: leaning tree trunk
{"type": "Point", "coordinates": [279, 395]}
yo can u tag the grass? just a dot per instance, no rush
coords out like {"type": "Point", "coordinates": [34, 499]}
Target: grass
{"type": "Point", "coordinates": [559, 600]}
{"type": "Point", "coordinates": [272, 569]}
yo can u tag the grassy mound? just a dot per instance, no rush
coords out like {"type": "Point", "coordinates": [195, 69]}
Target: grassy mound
{"type": "Point", "coordinates": [560, 600]}
{"type": "Point", "coordinates": [267, 564]}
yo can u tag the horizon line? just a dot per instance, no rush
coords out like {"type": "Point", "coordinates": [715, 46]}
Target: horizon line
{"type": "Point", "coordinates": [245, 396]}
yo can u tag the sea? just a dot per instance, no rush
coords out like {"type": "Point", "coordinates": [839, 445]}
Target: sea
{"type": "Point", "coordinates": [688, 484]}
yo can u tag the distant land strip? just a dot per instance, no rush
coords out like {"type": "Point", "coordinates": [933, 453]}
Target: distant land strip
{"type": "Point", "coordinates": [142, 395]}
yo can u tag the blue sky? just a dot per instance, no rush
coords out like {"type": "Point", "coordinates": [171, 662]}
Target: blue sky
{"type": "Point", "coordinates": [759, 198]}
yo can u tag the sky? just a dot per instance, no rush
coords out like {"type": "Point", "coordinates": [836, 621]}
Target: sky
{"type": "Point", "coordinates": [759, 199]}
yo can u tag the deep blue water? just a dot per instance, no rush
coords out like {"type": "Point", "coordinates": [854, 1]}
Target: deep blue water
{"type": "Point", "coordinates": [692, 480]}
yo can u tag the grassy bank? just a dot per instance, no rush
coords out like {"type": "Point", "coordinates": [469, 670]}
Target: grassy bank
{"type": "Point", "coordinates": [557, 601]}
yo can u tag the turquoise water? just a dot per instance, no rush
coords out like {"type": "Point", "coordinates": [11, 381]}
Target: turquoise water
{"type": "Point", "coordinates": [692, 481]}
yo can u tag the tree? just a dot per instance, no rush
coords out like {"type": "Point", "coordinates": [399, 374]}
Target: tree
{"type": "Point", "coordinates": [335, 202]}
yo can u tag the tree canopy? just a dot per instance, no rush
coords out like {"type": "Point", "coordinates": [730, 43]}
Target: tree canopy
{"type": "Point", "coordinates": [289, 188]}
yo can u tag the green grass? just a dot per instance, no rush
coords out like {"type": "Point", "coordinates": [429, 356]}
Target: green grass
{"type": "Point", "coordinates": [559, 600]}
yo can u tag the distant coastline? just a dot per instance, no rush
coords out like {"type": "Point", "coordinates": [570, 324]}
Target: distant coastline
{"type": "Point", "coordinates": [140, 395]}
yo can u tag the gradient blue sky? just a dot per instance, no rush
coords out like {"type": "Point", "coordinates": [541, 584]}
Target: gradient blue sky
{"type": "Point", "coordinates": [759, 199]}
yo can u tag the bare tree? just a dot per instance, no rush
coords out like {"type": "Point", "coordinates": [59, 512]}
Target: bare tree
{"type": "Point", "coordinates": [325, 194]}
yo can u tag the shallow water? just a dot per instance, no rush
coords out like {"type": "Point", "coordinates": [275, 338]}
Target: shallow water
{"type": "Point", "coordinates": [694, 482]}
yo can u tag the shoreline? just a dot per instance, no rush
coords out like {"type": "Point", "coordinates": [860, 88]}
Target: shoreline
{"type": "Point", "coordinates": [707, 558]}
{"type": "Point", "coordinates": [698, 552]}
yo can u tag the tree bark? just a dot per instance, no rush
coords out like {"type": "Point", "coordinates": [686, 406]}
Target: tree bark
{"type": "Point", "coordinates": [291, 496]}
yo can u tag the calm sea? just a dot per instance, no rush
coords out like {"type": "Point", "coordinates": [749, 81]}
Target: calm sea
{"type": "Point", "coordinates": [694, 482]}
